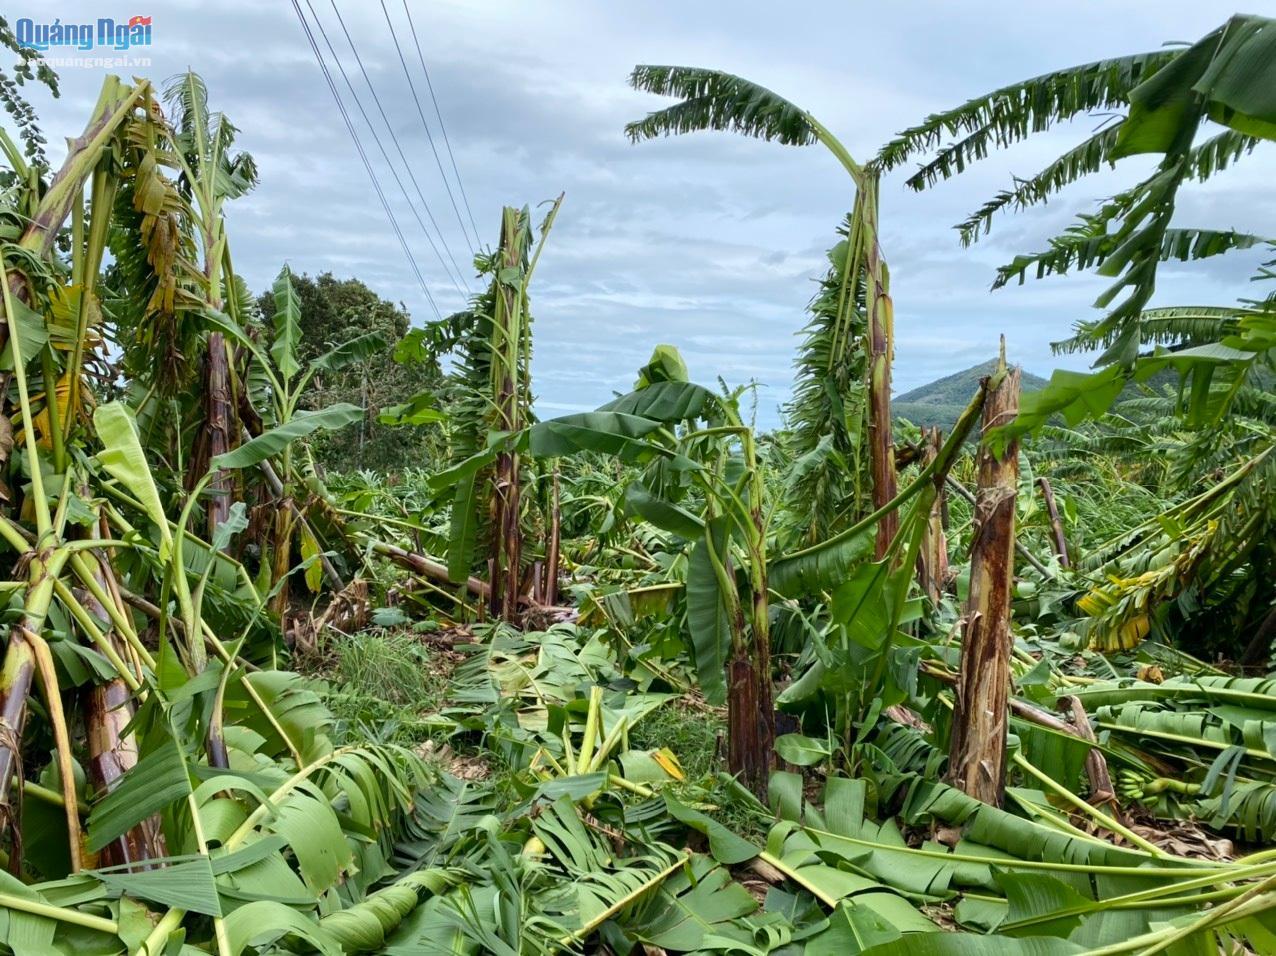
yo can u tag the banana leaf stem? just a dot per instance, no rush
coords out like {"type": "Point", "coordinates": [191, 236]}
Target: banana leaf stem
{"type": "Point", "coordinates": [25, 904]}
{"type": "Point", "coordinates": [85, 572]}
{"type": "Point", "coordinates": [48, 675]}
{"type": "Point", "coordinates": [1098, 815]}
{"type": "Point", "coordinates": [1182, 739]}
{"type": "Point", "coordinates": [1247, 904]}
{"type": "Point", "coordinates": [795, 875]}
{"type": "Point", "coordinates": [1047, 865]}
{"type": "Point", "coordinates": [39, 499]}
{"type": "Point", "coordinates": [95, 633]}
{"type": "Point", "coordinates": [587, 930]}
{"type": "Point", "coordinates": [156, 941]}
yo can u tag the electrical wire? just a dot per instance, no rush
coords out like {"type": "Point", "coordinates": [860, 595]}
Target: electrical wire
{"type": "Point", "coordinates": [428, 135]}
{"type": "Point", "coordinates": [376, 185]}
{"type": "Point", "coordinates": [442, 127]}
{"type": "Point", "coordinates": [384, 154]}
{"type": "Point", "coordinates": [395, 140]}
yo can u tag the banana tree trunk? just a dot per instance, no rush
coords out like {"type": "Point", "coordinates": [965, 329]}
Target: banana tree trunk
{"type": "Point", "coordinates": [112, 751]}
{"type": "Point", "coordinates": [750, 734]}
{"type": "Point", "coordinates": [977, 756]}
{"type": "Point", "coordinates": [751, 705]}
{"type": "Point", "coordinates": [508, 540]}
{"type": "Point", "coordinates": [1096, 765]}
{"type": "Point", "coordinates": [748, 746]}
{"type": "Point", "coordinates": [112, 746]}
{"type": "Point", "coordinates": [1058, 539]}
{"type": "Point", "coordinates": [1259, 647]}
{"type": "Point", "coordinates": [552, 551]}
{"type": "Point", "coordinates": [281, 555]}
{"type": "Point", "coordinates": [932, 561]}
{"type": "Point", "coordinates": [1028, 557]}
{"type": "Point", "coordinates": [507, 352]}
{"type": "Point", "coordinates": [881, 346]}
{"type": "Point", "coordinates": [219, 425]}
{"type": "Point", "coordinates": [18, 671]}
{"type": "Point", "coordinates": [15, 686]}
{"type": "Point", "coordinates": [428, 568]}
{"type": "Point", "coordinates": [750, 701]}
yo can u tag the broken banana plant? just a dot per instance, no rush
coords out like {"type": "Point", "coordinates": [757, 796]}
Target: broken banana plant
{"type": "Point", "coordinates": [721, 101]}
{"type": "Point", "coordinates": [977, 763]}
{"type": "Point", "coordinates": [25, 273]}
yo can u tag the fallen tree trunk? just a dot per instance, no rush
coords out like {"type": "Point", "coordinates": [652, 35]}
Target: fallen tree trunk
{"type": "Point", "coordinates": [1096, 765]}
{"type": "Point", "coordinates": [428, 568]}
{"type": "Point", "coordinates": [1057, 539]}
{"type": "Point", "coordinates": [977, 756]}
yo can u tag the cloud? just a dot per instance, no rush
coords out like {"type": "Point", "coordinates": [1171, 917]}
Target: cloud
{"type": "Point", "coordinates": [710, 242]}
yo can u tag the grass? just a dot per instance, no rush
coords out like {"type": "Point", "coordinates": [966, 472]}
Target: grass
{"type": "Point", "coordinates": [385, 678]}
{"type": "Point", "coordinates": [692, 734]}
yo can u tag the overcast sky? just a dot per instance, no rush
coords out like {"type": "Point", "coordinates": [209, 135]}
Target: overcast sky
{"type": "Point", "coordinates": [710, 242]}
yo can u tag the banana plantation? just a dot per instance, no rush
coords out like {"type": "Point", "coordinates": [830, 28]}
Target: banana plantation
{"type": "Point", "coordinates": [644, 679]}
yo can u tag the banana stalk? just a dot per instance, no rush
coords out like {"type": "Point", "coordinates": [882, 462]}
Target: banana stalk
{"type": "Point", "coordinates": [932, 562]}
{"type": "Point", "coordinates": [978, 751]}
{"type": "Point", "coordinates": [507, 362]}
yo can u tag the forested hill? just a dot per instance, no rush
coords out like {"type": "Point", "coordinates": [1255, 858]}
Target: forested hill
{"type": "Point", "coordinates": [941, 401]}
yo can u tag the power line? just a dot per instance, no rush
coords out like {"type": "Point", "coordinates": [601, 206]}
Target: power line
{"type": "Point", "coordinates": [381, 147]}
{"type": "Point", "coordinates": [428, 135]}
{"type": "Point", "coordinates": [314, 47]}
{"type": "Point", "coordinates": [442, 126]}
{"type": "Point", "coordinates": [395, 139]}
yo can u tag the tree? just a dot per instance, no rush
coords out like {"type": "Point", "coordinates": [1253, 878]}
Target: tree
{"type": "Point", "coordinates": [30, 67]}
{"type": "Point", "coordinates": [334, 311]}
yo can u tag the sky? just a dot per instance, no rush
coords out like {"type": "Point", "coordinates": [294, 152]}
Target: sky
{"type": "Point", "coordinates": [710, 242]}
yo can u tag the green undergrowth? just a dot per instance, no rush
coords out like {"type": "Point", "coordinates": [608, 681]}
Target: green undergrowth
{"type": "Point", "coordinates": [381, 682]}
{"type": "Point", "coordinates": [579, 781]}
{"type": "Point", "coordinates": [693, 732]}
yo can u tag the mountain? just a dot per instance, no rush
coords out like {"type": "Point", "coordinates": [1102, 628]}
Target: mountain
{"type": "Point", "coordinates": [941, 402]}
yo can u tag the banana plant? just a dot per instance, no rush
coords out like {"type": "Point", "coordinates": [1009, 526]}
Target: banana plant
{"type": "Point", "coordinates": [861, 324]}
{"type": "Point", "coordinates": [210, 175]}
{"type": "Point", "coordinates": [725, 488]}
{"type": "Point", "coordinates": [275, 385]}
{"type": "Point", "coordinates": [494, 340]}
{"type": "Point", "coordinates": [174, 260]}
{"type": "Point", "coordinates": [26, 270]}
{"type": "Point", "coordinates": [977, 763]}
